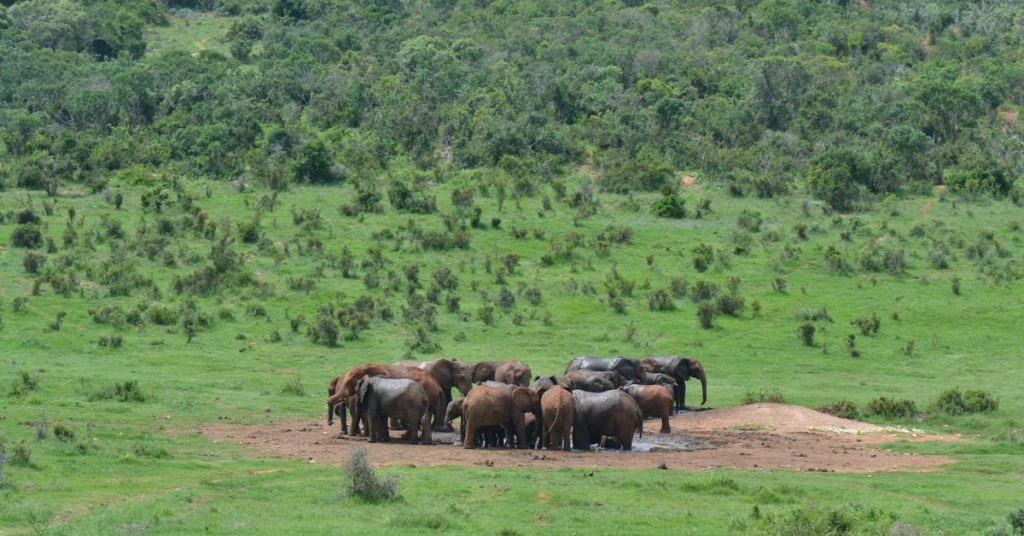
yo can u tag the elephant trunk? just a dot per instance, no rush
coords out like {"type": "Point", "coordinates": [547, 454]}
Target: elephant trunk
{"type": "Point", "coordinates": [703, 387]}
{"type": "Point", "coordinates": [330, 414]}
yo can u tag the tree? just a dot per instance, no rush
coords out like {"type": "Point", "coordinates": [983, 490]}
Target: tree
{"type": "Point", "coordinates": [837, 177]}
{"type": "Point", "coordinates": [313, 163]}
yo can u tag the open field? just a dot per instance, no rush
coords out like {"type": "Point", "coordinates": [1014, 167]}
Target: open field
{"type": "Point", "coordinates": [139, 465]}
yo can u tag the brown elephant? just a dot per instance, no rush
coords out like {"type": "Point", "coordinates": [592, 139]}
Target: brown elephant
{"type": "Point", "coordinates": [681, 369]}
{"type": "Point", "coordinates": [449, 373]}
{"type": "Point", "coordinates": [654, 401]}
{"type": "Point", "coordinates": [594, 381]}
{"type": "Point", "coordinates": [557, 410]}
{"type": "Point", "coordinates": [609, 414]}
{"type": "Point", "coordinates": [483, 371]}
{"type": "Point", "coordinates": [513, 373]}
{"type": "Point", "coordinates": [342, 388]}
{"type": "Point", "coordinates": [378, 398]}
{"type": "Point", "coordinates": [488, 405]}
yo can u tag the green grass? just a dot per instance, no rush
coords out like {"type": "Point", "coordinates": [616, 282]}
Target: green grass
{"type": "Point", "coordinates": [139, 466]}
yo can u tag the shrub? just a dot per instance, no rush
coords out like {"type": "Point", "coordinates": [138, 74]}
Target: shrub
{"type": "Point", "coordinates": [27, 236]}
{"type": "Point", "coordinates": [836, 262]}
{"type": "Point", "coordinates": [112, 341]}
{"type": "Point", "coordinates": [806, 333]}
{"type": "Point", "coordinates": [774, 397]}
{"type": "Point", "coordinates": [955, 285]}
{"type": "Point", "coordinates": [446, 279]}
{"type": "Point", "coordinates": [63, 433]}
{"type": "Point", "coordinates": [678, 286]}
{"type": "Point", "coordinates": [1016, 520]}
{"type": "Point", "coordinates": [294, 388]}
{"type": "Point", "coordinates": [21, 455]}
{"type": "Point", "coordinates": [324, 329]}
{"type": "Point", "coordinates": [23, 383]}
{"type": "Point", "coordinates": [33, 262]}
{"type": "Point", "coordinates": [617, 305]}
{"type": "Point", "coordinates": [128, 391]}
{"type": "Point", "coordinates": [779, 285]}
{"type": "Point", "coordinates": [730, 304]}
{"type": "Point", "coordinates": [868, 326]}
{"type": "Point", "coordinates": [162, 315]}
{"type": "Point", "coordinates": [703, 257]}
{"type": "Point", "coordinates": [452, 302]}
{"type": "Point", "coordinates": [362, 481]}
{"type": "Point", "coordinates": [660, 300]}
{"type": "Point", "coordinates": [669, 206]}
{"type": "Point", "coordinates": [843, 409]}
{"type": "Point", "coordinates": [749, 220]}
{"type": "Point", "coordinates": [706, 315]}
{"type": "Point", "coordinates": [486, 315]}
{"type": "Point", "coordinates": [953, 402]}
{"type": "Point", "coordinates": [891, 408]}
{"type": "Point", "coordinates": [703, 291]}
{"type": "Point", "coordinates": [533, 295]}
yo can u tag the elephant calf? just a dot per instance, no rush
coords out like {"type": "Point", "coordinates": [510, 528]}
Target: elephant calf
{"type": "Point", "coordinates": [379, 398]}
{"type": "Point", "coordinates": [594, 381]}
{"type": "Point", "coordinates": [654, 401]}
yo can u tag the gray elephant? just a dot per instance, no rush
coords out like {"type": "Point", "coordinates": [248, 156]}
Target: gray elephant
{"type": "Point", "coordinates": [379, 398]}
{"type": "Point", "coordinates": [594, 381]}
{"type": "Point", "coordinates": [611, 414]}
{"type": "Point", "coordinates": [630, 369]}
{"type": "Point", "coordinates": [680, 369]}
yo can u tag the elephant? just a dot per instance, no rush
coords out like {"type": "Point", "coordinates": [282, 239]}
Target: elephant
{"type": "Point", "coordinates": [378, 398]}
{"type": "Point", "coordinates": [611, 413]}
{"type": "Point", "coordinates": [488, 436]}
{"type": "Point", "coordinates": [594, 381]}
{"type": "Point", "coordinates": [630, 369]}
{"type": "Point", "coordinates": [654, 401]}
{"type": "Point", "coordinates": [680, 369]}
{"type": "Point", "coordinates": [513, 373]}
{"type": "Point", "coordinates": [541, 384]}
{"type": "Point", "coordinates": [557, 410]}
{"type": "Point", "coordinates": [449, 373]}
{"type": "Point", "coordinates": [487, 405]}
{"type": "Point", "coordinates": [482, 371]}
{"type": "Point", "coordinates": [342, 388]}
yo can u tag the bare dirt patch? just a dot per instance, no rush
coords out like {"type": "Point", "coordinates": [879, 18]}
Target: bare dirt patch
{"type": "Point", "coordinates": [757, 436]}
{"type": "Point", "coordinates": [689, 182]}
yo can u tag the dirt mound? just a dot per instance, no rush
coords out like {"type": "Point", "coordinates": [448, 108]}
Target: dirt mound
{"type": "Point", "coordinates": [761, 436]}
{"type": "Point", "coordinates": [780, 418]}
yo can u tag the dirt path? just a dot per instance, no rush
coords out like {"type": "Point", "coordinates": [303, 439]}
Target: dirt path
{"type": "Point", "coordinates": [761, 436]}
{"type": "Point", "coordinates": [926, 208]}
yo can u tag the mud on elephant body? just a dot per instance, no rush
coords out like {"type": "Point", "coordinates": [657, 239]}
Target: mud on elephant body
{"type": "Point", "coordinates": [654, 401]}
{"type": "Point", "coordinates": [491, 405]}
{"type": "Point", "coordinates": [340, 393]}
{"type": "Point", "coordinates": [378, 398]}
{"type": "Point", "coordinates": [594, 381]}
{"type": "Point", "coordinates": [612, 413]}
{"type": "Point", "coordinates": [680, 369]}
{"type": "Point", "coordinates": [630, 369]}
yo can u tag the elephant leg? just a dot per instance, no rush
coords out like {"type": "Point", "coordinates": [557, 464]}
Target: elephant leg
{"type": "Point", "coordinates": [471, 434]}
{"type": "Point", "coordinates": [566, 435]}
{"type": "Point", "coordinates": [665, 429]}
{"type": "Point", "coordinates": [426, 437]}
{"type": "Point", "coordinates": [520, 425]}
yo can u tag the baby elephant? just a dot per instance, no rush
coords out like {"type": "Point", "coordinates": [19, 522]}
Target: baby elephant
{"type": "Point", "coordinates": [654, 401]}
{"type": "Point", "coordinates": [379, 398]}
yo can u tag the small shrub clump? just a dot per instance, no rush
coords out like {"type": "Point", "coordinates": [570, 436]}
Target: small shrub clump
{"type": "Point", "coordinates": [774, 397]}
{"type": "Point", "coordinates": [891, 408]}
{"type": "Point", "coordinates": [953, 402]}
{"type": "Point", "coordinates": [660, 300]}
{"type": "Point", "coordinates": [868, 325]}
{"type": "Point", "coordinates": [844, 409]}
{"type": "Point", "coordinates": [361, 479]}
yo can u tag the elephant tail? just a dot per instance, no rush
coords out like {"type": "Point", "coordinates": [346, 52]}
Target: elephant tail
{"type": "Point", "coordinates": [640, 423]}
{"type": "Point", "coordinates": [557, 419]}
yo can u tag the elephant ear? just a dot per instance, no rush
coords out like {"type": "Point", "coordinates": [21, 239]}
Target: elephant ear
{"type": "Point", "coordinates": [524, 399]}
{"type": "Point", "coordinates": [364, 389]}
{"type": "Point", "coordinates": [562, 382]}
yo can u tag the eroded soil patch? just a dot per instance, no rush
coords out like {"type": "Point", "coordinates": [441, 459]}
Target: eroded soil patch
{"type": "Point", "coordinates": [758, 436]}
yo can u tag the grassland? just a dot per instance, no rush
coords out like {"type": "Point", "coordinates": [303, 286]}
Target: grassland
{"type": "Point", "coordinates": [137, 465]}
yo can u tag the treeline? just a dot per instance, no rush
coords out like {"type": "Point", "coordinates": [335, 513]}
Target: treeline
{"type": "Point", "coordinates": [851, 100]}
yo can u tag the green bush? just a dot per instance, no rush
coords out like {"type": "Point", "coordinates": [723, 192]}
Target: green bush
{"type": "Point", "coordinates": [162, 315]}
{"type": "Point", "coordinates": [128, 391]}
{"type": "Point", "coordinates": [706, 315]}
{"type": "Point", "coordinates": [33, 262]}
{"type": "Point", "coordinates": [953, 402]}
{"type": "Point", "coordinates": [774, 397]}
{"type": "Point", "coordinates": [669, 206]}
{"type": "Point", "coordinates": [843, 409]}
{"type": "Point", "coordinates": [806, 333]}
{"type": "Point", "coordinates": [660, 300]}
{"type": "Point", "coordinates": [27, 236]}
{"type": "Point", "coordinates": [891, 408]}
{"type": "Point", "coordinates": [703, 257]}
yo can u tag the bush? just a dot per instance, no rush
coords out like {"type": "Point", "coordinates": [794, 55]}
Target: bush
{"type": "Point", "coordinates": [843, 409]}
{"type": "Point", "coordinates": [21, 455]}
{"type": "Point", "coordinates": [891, 408]}
{"type": "Point", "coordinates": [113, 341]}
{"type": "Point", "coordinates": [806, 333]}
{"type": "Point", "coordinates": [33, 262]}
{"type": "Point", "coordinates": [660, 300]}
{"type": "Point", "coordinates": [678, 286]}
{"type": "Point", "coordinates": [128, 391]}
{"type": "Point", "coordinates": [23, 383]}
{"type": "Point", "coordinates": [730, 304]}
{"type": "Point", "coordinates": [1016, 520]}
{"type": "Point", "coordinates": [703, 291]}
{"type": "Point", "coordinates": [27, 236]}
{"type": "Point", "coordinates": [749, 220]}
{"type": "Point", "coordinates": [703, 257]}
{"type": "Point", "coordinates": [161, 315]}
{"type": "Point", "coordinates": [669, 206]}
{"type": "Point", "coordinates": [953, 402]}
{"type": "Point", "coordinates": [63, 433]}
{"type": "Point", "coordinates": [868, 326]}
{"type": "Point", "coordinates": [706, 315]}
{"type": "Point", "coordinates": [324, 330]}
{"type": "Point", "coordinates": [779, 285]}
{"type": "Point", "coordinates": [486, 315]}
{"type": "Point", "coordinates": [362, 481]}
{"type": "Point", "coordinates": [294, 388]}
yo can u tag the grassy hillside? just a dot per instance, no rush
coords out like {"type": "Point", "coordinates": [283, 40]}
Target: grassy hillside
{"type": "Point", "coordinates": [246, 363]}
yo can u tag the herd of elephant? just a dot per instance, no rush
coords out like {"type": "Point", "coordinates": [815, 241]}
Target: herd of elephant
{"type": "Point", "coordinates": [597, 401]}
